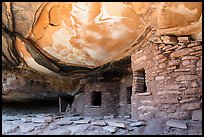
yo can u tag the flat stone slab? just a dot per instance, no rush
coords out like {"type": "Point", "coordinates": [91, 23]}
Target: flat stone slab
{"type": "Point", "coordinates": [153, 127]}
{"type": "Point", "coordinates": [137, 124]}
{"type": "Point", "coordinates": [129, 128]}
{"type": "Point", "coordinates": [59, 131]}
{"type": "Point", "coordinates": [27, 127]}
{"type": "Point", "coordinates": [63, 123]}
{"type": "Point", "coordinates": [88, 118]}
{"type": "Point", "coordinates": [116, 124]}
{"type": "Point", "coordinates": [132, 120]}
{"type": "Point", "coordinates": [82, 122]}
{"type": "Point", "coordinates": [120, 132]}
{"type": "Point", "coordinates": [76, 118]}
{"type": "Point", "coordinates": [8, 127]}
{"type": "Point", "coordinates": [40, 125]}
{"type": "Point", "coordinates": [42, 119]}
{"type": "Point", "coordinates": [111, 129]}
{"type": "Point", "coordinates": [108, 117]}
{"type": "Point", "coordinates": [176, 123]}
{"type": "Point", "coordinates": [10, 118]}
{"type": "Point", "coordinates": [98, 117]}
{"type": "Point", "coordinates": [99, 123]}
{"type": "Point", "coordinates": [26, 120]}
{"type": "Point", "coordinates": [127, 116]}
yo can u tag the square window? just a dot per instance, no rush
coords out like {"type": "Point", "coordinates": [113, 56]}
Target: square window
{"type": "Point", "coordinates": [96, 98]}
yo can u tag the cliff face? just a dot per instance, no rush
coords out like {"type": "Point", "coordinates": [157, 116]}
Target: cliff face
{"type": "Point", "coordinates": [73, 40]}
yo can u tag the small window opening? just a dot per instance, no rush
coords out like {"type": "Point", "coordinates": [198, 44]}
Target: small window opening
{"type": "Point", "coordinates": [129, 94]}
{"type": "Point", "coordinates": [96, 98]}
{"type": "Point", "coordinates": [140, 80]}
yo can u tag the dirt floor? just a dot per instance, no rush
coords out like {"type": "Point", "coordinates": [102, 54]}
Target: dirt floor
{"type": "Point", "coordinates": [43, 118]}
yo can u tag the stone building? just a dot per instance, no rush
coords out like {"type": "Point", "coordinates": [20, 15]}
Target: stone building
{"type": "Point", "coordinates": [103, 98]}
{"type": "Point", "coordinates": [167, 78]}
{"type": "Point", "coordinates": [166, 82]}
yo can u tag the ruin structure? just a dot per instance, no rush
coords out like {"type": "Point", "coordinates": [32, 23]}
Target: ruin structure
{"type": "Point", "coordinates": [136, 59]}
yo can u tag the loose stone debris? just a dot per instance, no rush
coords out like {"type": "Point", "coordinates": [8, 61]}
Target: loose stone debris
{"type": "Point", "coordinates": [176, 123]}
{"type": "Point", "coordinates": [137, 124]}
{"type": "Point", "coordinates": [111, 129]}
{"type": "Point", "coordinates": [83, 125]}
{"type": "Point", "coordinates": [42, 119]}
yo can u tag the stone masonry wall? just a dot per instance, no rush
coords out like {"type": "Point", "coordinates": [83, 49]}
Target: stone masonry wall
{"type": "Point", "coordinates": [124, 98]}
{"type": "Point", "coordinates": [173, 77]}
{"type": "Point", "coordinates": [110, 98]}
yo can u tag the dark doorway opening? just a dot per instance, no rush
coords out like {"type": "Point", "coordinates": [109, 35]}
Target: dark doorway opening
{"type": "Point", "coordinates": [96, 98]}
{"type": "Point", "coordinates": [129, 94]}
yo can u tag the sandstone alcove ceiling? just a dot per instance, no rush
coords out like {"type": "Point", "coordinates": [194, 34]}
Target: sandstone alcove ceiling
{"type": "Point", "coordinates": [56, 44]}
{"type": "Point", "coordinates": [108, 68]}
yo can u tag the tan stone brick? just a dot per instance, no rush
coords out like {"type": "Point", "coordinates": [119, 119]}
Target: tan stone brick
{"type": "Point", "coordinates": [196, 53]}
{"type": "Point", "coordinates": [182, 70]}
{"type": "Point", "coordinates": [189, 58]}
{"type": "Point", "coordinates": [162, 65]}
{"type": "Point", "coordinates": [167, 52]}
{"type": "Point", "coordinates": [192, 91]}
{"type": "Point", "coordinates": [172, 48]}
{"type": "Point", "coordinates": [183, 88]}
{"type": "Point", "coordinates": [169, 92]}
{"type": "Point", "coordinates": [159, 77]}
{"type": "Point", "coordinates": [186, 62]}
{"type": "Point", "coordinates": [167, 47]}
{"type": "Point", "coordinates": [174, 62]}
{"type": "Point", "coordinates": [146, 116]}
{"type": "Point", "coordinates": [199, 69]}
{"type": "Point", "coordinates": [144, 94]}
{"type": "Point", "coordinates": [140, 59]}
{"type": "Point", "coordinates": [181, 46]}
{"type": "Point", "coordinates": [157, 40]}
{"type": "Point", "coordinates": [199, 55]}
{"type": "Point", "coordinates": [187, 100]}
{"type": "Point", "coordinates": [197, 48]}
{"type": "Point", "coordinates": [181, 115]}
{"type": "Point", "coordinates": [146, 108]}
{"type": "Point", "coordinates": [169, 40]}
{"type": "Point", "coordinates": [166, 101]}
{"type": "Point", "coordinates": [149, 102]}
{"type": "Point", "coordinates": [199, 63]}
{"type": "Point", "coordinates": [162, 60]}
{"type": "Point", "coordinates": [179, 53]}
{"type": "Point", "coordinates": [193, 44]}
{"type": "Point", "coordinates": [157, 52]}
{"type": "Point", "coordinates": [194, 84]}
{"type": "Point", "coordinates": [183, 39]}
{"type": "Point", "coordinates": [191, 66]}
{"type": "Point", "coordinates": [191, 106]}
{"type": "Point", "coordinates": [158, 57]}
{"type": "Point", "coordinates": [186, 77]}
{"type": "Point", "coordinates": [161, 46]}
{"type": "Point", "coordinates": [172, 86]}
{"type": "Point", "coordinates": [171, 68]}
{"type": "Point", "coordinates": [191, 62]}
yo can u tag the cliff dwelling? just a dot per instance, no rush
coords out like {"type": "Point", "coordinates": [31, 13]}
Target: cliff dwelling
{"type": "Point", "coordinates": [122, 68]}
